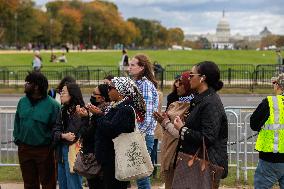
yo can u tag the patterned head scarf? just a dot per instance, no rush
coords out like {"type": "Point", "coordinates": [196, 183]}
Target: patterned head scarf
{"type": "Point", "coordinates": [126, 87]}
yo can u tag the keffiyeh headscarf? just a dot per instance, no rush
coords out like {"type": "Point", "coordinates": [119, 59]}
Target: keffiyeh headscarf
{"type": "Point", "coordinates": [126, 87]}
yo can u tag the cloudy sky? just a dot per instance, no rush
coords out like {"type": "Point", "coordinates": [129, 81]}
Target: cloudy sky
{"type": "Point", "coordinates": [246, 17]}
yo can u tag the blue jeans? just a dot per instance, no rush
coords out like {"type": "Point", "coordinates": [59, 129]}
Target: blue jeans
{"type": "Point", "coordinates": [267, 174]}
{"type": "Point", "coordinates": [66, 179]}
{"type": "Point", "coordinates": [144, 183]}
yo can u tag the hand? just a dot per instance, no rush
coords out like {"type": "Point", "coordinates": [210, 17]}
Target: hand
{"type": "Point", "coordinates": [82, 112]}
{"type": "Point", "coordinates": [158, 117]}
{"type": "Point", "coordinates": [178, 123]}
{"type": "Point", "coordinates": [68, 136]}
{"type": "Point", "coordinates": [94, 109]}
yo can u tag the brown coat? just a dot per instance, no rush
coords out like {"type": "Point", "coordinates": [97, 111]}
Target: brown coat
{"type": "Point", "coordinates": [170, 140]}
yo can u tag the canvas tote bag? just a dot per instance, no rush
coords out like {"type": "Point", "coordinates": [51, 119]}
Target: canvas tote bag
{"type": "Point", "coordinates": [132, 160]}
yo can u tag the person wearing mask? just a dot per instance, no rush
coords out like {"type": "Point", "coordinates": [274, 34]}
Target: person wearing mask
{"type": "Point", "coordinates": [127, 101]}
{"type": "Point", "coordinates": [268, 120]}
{"type": "Point", "coordinates": [171, 135]}
{"type": "Point", "coordinates": [141, 70]}
{"type": "Point", "coordinates": [68, 129]}
{"type": "Point", "coordinates": [207, 118]}
{"type": "Point", "coordinates": [99, 106]}
{"type": "Point", "coordinates": [35, 116]}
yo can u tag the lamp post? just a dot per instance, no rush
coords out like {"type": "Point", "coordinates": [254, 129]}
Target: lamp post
{"type": "Point", "coordinates": [16, 28]}
{"type": "Point", "coordinates": [90, 33]}
{"type": "Point", "coordinates": [51, 23]}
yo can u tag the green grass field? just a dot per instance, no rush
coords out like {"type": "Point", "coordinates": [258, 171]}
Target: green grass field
{"type": "Point", "coordinates": [164, 57]}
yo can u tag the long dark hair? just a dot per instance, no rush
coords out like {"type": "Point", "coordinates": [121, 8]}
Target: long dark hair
{"type": "Point", "coordinates": [144, 61]}
{"type": "Point", "coordinates": [76, 97]}
{"type": "Point", "coordinates": [212, 73]}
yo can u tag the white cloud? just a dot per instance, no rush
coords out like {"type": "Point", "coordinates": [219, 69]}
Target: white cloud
{"type": "Point", "coordinates": [246, 17]}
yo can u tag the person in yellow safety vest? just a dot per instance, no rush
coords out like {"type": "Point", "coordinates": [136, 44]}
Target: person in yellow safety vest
{"type": "Point", "coordinates": [268, 120]}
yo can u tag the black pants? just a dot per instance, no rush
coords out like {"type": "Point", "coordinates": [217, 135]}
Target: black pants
{"type": "Point", "coordinates": [96, 183]}
{"type": "Point", "coordinates": [109, 180]}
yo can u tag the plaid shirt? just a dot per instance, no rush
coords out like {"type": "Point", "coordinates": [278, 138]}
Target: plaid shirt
{"type": "Point", "coordinates": [151, 98]}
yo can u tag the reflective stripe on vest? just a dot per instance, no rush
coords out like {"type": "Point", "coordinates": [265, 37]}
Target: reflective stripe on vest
{"type": "Point", "coordinates": [271, 136]}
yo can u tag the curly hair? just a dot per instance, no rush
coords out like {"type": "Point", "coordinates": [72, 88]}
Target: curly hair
{"type": "Point", "coordinates": [38, 79]}
{"type": "Point", "coordinates": [148, 71]}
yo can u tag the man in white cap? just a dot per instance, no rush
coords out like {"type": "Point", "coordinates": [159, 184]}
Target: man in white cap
{"type": "Point", "coordinates": [268, 120]}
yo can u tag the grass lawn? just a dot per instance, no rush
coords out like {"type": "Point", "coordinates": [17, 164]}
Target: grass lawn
{"type": "Point", "coordinates": [164, 57]}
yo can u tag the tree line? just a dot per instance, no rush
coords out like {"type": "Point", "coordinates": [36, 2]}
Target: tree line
{"type": "Point", "coordinates": [75, 22]}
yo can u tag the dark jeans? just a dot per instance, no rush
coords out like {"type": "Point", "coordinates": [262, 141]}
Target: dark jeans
{"type": "Point", "coordinates": [267, 174]}
{"type": "Point", "coordinates": [37, 166]}
{"type": "Point", "coordinates": [145, 183]}
{"type": "Point", "coordinates": [154, 156]}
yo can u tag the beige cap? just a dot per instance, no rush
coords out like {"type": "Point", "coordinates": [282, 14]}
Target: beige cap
{"type": "Point", "coordinates": [279, 80]}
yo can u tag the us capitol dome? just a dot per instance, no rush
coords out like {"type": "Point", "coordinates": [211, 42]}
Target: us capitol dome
{"type": "Point", "coordinates": [223, 30]}
{"type": "Point", "coordinates": [221, 40]}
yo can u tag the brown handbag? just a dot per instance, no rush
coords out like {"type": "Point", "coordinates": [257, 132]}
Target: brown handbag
{"type": "Point", "coordinates": [194, 173]}
{"type": "Point", "coordinates": [86, 165]}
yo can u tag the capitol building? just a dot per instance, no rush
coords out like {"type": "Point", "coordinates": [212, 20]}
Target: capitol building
{"type": "Point", "coordinates": [223, 39]}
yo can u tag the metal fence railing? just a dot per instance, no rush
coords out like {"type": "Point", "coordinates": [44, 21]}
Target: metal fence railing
{"type": "Point", "coordinates": [247, 76]}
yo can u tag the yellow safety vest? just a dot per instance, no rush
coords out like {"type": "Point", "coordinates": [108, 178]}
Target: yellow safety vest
{"type": "Point", "coordinates": [271, 136]}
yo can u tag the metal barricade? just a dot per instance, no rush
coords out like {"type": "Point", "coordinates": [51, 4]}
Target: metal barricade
{"type": "Point", "coordinates": [8, 150]}
{"type": "Point", "coordinates": [241, 151]}
{"type": "Point", "coordinates": [250, 155]}
{"type": "Point", "coordinates": [244, 147]}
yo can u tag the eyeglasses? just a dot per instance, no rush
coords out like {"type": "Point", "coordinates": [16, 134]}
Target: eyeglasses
{"type": "Point", "coordinates": [274, 82]}
{"type": "Point", "coordinates": [63, 93]}
{"type": "Point", "coordinates": [192, 75]}
{"type": "Point", "coordinates": [97, 94]}
{"type": "Point", "coordinates": [179, 83]}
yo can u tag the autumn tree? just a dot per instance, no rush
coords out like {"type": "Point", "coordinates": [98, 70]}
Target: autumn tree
{"type": "Point", "coordinates": [268, 41]}
{"type": "Point", "coordinates": [176, 36]}
{"type": "Point", "coordinates": [280, 41]}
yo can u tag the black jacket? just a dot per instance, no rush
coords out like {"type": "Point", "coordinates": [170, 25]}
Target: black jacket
{"type": "Point", "coordinates": [257, 120]}
{"type": "Point", "coordinates": [120, 119]}
{"type": "Point", "coordinates": [88, 136]}
{"type": "Point", "coordinates": [74, 124]}
{"type": "Point", "coordinates": [207, 119]}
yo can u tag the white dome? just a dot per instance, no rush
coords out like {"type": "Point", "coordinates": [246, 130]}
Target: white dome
{"type": "Point", "coordinates": [223, 30]}
{"type": "Point", "coordinates": [223, 25]}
